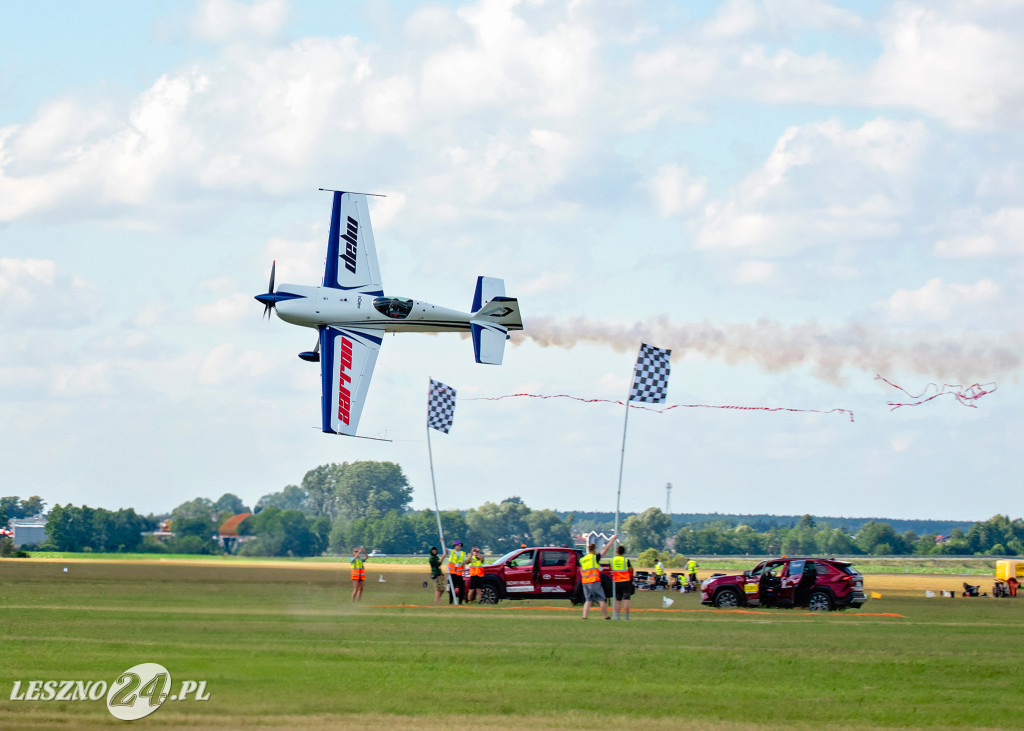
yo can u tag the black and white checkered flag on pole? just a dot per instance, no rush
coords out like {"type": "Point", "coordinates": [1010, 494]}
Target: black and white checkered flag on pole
{"type": "Point", "coordinates": [650, 379]}
{"type": "Point", "coordinates": [440, 406]}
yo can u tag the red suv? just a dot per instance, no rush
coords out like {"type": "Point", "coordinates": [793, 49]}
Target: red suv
{"type": "Point", "coordinates": [547, 572]}
{"type": "Point", "coordinates": [820, 584]}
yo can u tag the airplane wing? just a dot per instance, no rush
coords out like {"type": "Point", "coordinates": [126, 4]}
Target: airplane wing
{"type": "Point", "coordinates": [347, 357]}
{"type": "Point", "coordinates": [351, 253]}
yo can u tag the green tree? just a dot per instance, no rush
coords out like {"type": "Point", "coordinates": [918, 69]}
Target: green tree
{"type": "Point", "coordinates": [229, 503]}
{"type": "Point", "coordinates": [393, 533]}
{"type": "Point", "coordinates": [12, 507]}
{"type": "Point", "coordinates": [282, 533]}
{"type": "Point", "coordinates": [424, 527]}
{"type": "Point", "coordinates": [192, 544]}
{"type": "Point", "coordinates": [879, 539]}
{"type": "Point", "coordinates": [357, 489]}
{"type": "Point", "coordinates": [499, 527]}
{"type": "Point", "coordinates": [119, 531]}
{"type": "Point", "coordinates": [291, 497]}
{"type": "Point", "coordinates": [70, 528]}
{"type": "Point", "coordinates": [201, 507]}
{"type": "Point", "coordinates": [648, 529]}
{"type": "Point", "coordinates": [372, 489]}
{"type": "Point", "coordinates": [833, 542]}
{"type": "Point", "coordinates": [651, 556]}
{"type": "Point", "coordinates": [547, 529]}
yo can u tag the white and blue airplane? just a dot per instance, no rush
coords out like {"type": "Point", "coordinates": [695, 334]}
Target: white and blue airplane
{"type": "Point", "coordinates": [351, 313]}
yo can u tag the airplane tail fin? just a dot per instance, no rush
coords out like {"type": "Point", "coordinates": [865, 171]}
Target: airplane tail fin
{"type": "Point", "coordinates": [494, 315]}
{"type": "Point", "coordinates": [487, 288]}
{"type": "Point", "coordinates": [490, 326]}
{"type": "Point", "coordinates": [488, 342]}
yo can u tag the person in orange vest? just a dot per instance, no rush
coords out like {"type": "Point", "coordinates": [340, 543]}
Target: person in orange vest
{"type": "Point", "coordinates": [590, 567]}
{"type": "Point", "coordinates": [456, 559]}
{"type": "Point", "coordinates": [358, 572]}
{"type": "Point", "coordinates": [622, 576]}
{"type": "Point", "coordinates": [476, 573]}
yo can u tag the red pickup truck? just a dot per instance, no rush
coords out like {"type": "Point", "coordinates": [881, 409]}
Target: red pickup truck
{"type": "Point", "coordinates": [538, 573]}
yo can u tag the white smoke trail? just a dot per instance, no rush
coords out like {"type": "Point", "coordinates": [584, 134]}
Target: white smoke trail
{"type": "Point", "coordinates": [776, 347]}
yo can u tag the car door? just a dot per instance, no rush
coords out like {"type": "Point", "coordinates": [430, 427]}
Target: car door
{"type": "Point", "coordinates": [519, 573]}
{"type": "Point", "coordinates": [752, 585]}
{"type": "Point", "coordinates": [556, 571]}
{"type": "Point", "coordinates": [790, 580]}
{"type": "Point", "coordinates": [770, 582]}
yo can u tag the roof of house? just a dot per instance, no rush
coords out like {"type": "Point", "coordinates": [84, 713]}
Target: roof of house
{"type": "Point", "coordinates": [230, 527]}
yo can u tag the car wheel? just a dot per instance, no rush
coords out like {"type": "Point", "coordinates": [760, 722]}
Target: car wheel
{"type": "Point", "coordinates": [727, 598]}
{"type": "Point", "coordinates": [488, 594]}
{"type": "Point", "coordinates": [820, 601]}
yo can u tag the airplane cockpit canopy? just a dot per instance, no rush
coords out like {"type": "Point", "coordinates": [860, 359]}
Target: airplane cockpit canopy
{"type": "Point", "coordinates": [397, 308]}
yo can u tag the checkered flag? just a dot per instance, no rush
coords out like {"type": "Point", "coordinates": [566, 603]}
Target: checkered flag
{"type": "Point", "coordinates": [440, 406]}
{"type": "Point", "coordinates": [650, 379]}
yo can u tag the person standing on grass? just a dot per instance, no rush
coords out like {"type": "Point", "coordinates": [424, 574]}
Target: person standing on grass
{"type": "Point", "coordinates": [622, 576]}
{"type": "Point", "coordinates": [659, 574]}
{"type": "Point", "coordinates": [691, 570]}
{"type": "Point", "coordinates": [476, 573]}
{"type": "Point", "coordinates": [436, 574]}
{"type": "Point", "coordinates": [456, 558]}
{"type": "Point", "coordinates": [358, 572]}
{"type": "Point", "coordinates": [590, 566]}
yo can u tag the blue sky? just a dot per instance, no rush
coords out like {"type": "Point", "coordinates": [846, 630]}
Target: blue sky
{"type": "Point", "coordinates": [793, 196]}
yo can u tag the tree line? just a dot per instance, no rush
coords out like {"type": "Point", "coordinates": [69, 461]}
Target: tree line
{"type": "Point", "coordinates": [338, 506]}
{"type": "Point", "coordinates": [997, 536]}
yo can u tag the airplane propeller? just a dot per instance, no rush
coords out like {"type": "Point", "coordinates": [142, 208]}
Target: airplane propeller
{"type": "Point", "coordinates": [269, 299]}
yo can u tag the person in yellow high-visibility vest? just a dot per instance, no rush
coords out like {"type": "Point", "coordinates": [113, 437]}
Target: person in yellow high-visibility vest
{"type": "Point", "coordinates": [590, 576]}
{"type": "Point", "coordinates": [691, 570]}
{"type": "Point", "coordinates": [358, 572]}
{"type": "Point", "coordinates": [456, 559]}
{"type": "Point", "coordinates": [622, 579]}
{"type": "Point", "coordinates": [476, 573]}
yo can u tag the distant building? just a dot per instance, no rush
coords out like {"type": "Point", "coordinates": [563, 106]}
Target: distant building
{"type": "Point", "coordinates": [163, 531]}
{"type": "Point", "coordinates": [28, 531]}
{"type": "Point", "coordinates": [228, 536]}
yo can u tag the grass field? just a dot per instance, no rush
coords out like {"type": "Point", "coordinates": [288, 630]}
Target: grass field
{"type": "Point", "coordinates": [281, 645]}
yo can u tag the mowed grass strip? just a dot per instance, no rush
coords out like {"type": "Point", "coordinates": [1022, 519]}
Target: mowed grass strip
{"type": "Point", "coordinates": [276, 644]}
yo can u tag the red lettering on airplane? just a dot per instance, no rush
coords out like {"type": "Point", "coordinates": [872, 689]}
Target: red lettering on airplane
{"type": "Point", "coordinates": [344, 396]}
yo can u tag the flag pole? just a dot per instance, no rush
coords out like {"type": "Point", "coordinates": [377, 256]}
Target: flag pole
{"type": "Point", "coordinates": [437, 514]}
{"type": "Point", "coordinates": [622, 461]}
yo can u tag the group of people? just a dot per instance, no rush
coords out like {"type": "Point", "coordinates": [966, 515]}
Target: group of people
{"type": "Point", "coordinates": [659, 577]}
{"type": "Point", "coordinates": [464, 569]}
{"type": "Point", "coordinates": [622, 580]}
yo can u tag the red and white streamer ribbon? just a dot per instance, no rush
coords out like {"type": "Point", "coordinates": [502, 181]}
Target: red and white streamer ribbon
{"type": "Point", "coordinates": [661, 410]}
{"type": "Point", "coordinates": [966, 395]}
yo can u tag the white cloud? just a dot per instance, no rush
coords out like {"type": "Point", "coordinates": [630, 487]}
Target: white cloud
{"type": "Point", "coordinates": [676, 190]}
{"type": "Point", "coordinates": [752, 272]}
{"type": "Point", "coordinates": [547, 282]}
{"type": "Point", "coordinates": [227, 364]}
{"type": "Point", "coordinates": [960, 62]}
{"type": "Point", "coordinates": [737, 18]}
{"type": "Point", "coordinates": [938, 300]}
{"type": "Point", "coordinates": [36, 293]}
{"type": "Point", "coordinates": [220, 20]}
{"type": "Point", "coordinates": [999, 233]}
{"type": "Point", "coordinates": [821, 183]}
{"type": "Point", "coordinates": [226, 311]}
